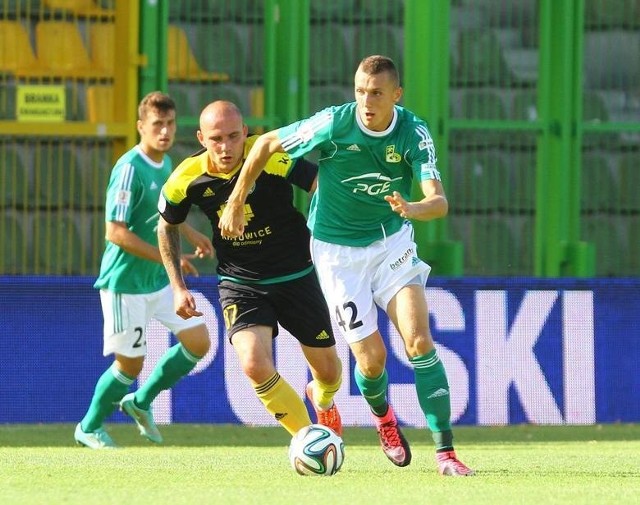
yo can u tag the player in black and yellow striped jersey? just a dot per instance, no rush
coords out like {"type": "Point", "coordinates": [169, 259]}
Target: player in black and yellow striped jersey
{"type": "Point", "coordinates": [266, 275]}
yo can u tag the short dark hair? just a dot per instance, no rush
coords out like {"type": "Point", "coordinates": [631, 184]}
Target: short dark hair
{"type": "Point", "coordinates": [377, 64]}
{"type": "Point", "coordinates": [155, 100]}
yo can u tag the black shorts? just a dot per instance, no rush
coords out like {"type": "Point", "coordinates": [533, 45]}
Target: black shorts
{"type": "Point", "coordinates": [298, 305]}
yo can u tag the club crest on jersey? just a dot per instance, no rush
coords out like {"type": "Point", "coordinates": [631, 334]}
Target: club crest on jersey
{"type": "Point", "coordinates": [248, 212]}
{"type": "Point", "coordinates": [391, 156]}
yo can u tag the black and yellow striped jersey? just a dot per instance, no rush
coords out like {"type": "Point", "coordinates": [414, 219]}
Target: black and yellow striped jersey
{"type": "Point", "coordinates": [275, 243]}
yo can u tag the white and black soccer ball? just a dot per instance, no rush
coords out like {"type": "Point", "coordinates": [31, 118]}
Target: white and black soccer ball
{"type": "Point", "coordinates": [316, 450]}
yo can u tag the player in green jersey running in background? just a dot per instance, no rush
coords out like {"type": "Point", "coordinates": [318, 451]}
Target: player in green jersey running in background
{"type": "Point", "coordinates": [362, 242]}
{"type": "Point", "coordinates": [134, 286]}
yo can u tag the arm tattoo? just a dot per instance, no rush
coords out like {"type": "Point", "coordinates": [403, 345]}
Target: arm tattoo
{"type": "Point", "coordinates": [169, 244]}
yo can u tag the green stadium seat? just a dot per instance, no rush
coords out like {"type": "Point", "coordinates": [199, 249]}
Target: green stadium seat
{"type": "Point", "coordinates": [612, 59]}
{"type": "Point", "coordinates": [58, 243]}
{"type": "Point", "coordinates": [480, 182]}
{"type": "Point", "coordinates": [604, 14]}
{"type": "Point", "coordinates": [324, 96]}
{"type": "Point", "coordinates": [629, 177]}
{"type": "Point", "coordinates": [389, 11]}
{"type": "Point", "coordinates": [229, 49]}
{"type": "Point", "coordinates": [245, 11]}
{"type": "Point", "coordinates": [185, 63]}
{"type": "Point", "coordinates": [599, 190]}
{"type": "Point", "coordinates": [201, 11]}
{"type": "Point", "coordinates": [15, 248]}
{"type": "Point", "coordinates": [603, 232]}
{"type": "Point", "coordinates": [523, 171]}
{"type": "Point", "coordinates": [57, 182]}
{"type": "Point", "coordinates": [632, 228]}
{"type": "Point", "coordinates": [388, 40]}
{"type": "Point", "coordinates": [236, 93]}
{"type": "Point", "coordinates": [486, 105]}
{"type": "Point", "coordinates": [20, 8]}
{"type": "Point", "coordinates": [481, 60]}
{"type": "Point", "coordinates": [7, 101]}
{"type": "Point", "coordinates": [334, 59]}
{"type": "Point", "coordinates": [15, 190]}
{"type": "Point", "coordinates": [493, 248]}
{"type": "Point", "coordinates": [501, 14]}
{"type": "Point", "coordinates": [94, 162]}
{"type": "Point", "coordinates": [182, 94]}
{"type": "Point", "coordinates": [345, 10]}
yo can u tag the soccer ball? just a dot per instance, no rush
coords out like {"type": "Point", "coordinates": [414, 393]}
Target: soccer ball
{"type": "Point", "coordinates": [316, 450]}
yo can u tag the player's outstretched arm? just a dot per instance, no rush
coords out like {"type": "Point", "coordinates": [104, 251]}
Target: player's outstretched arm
{"type": "Point", "coordinates": [232, 219]}
{"type": "Point", "coordinates": [174, 263]}
{"type": "Point", "coordinates": [433, 206]}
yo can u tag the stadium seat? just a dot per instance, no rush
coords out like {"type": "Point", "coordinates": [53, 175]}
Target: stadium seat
{"type": "Point", "coordinates": [632, 228]}
{"type": "Point", "coordinates": [523, 172]}
{"type": "Point", "coordinates": [481, 60]}
{"type": "Point", "coordinates": [603, 14]}
{"type": "Point", "coordinates": [388, 40]}
{"type": "Point", "coordinates": [513, 13]}
{"type": "Point", "coordinates": [612, 59]}
{"type": "Point", "coordinates": [235, 49]}
{"type": "Point", "coordinates": [245, 11]}
{"type": "Point", "coordinates": [183, 65]}
{"type": "Point", "coordinates": [15, 247]}
{"type": "Point", "coordinates": [629, 177]}
{"type": "Point", "coordinates": [182, 94]}
{"type": "Point", "coordinates": [324, 96]}
{"type": "Point", "coordinates": [61, 51]}
{"type": "Point", "coordinates": [493, 248]}
{"type": "Point", "coordinates": [345, 10]}
{"type": "Point", "coordinates": [100, 103]}
{"type": "Point", "coordinates": [94, 162]}
{"type": "Point", "coordinates": [57, 183]}
{"type": "Point", "coordinates": [599, 190]}
{"type": "Point", "coordinates": [389, 11]}
{"type": "Point", "coordinates": [480, 182]}
{"type": "Point", "coordinates": [14, 179]}
{"type": "Point", "coordinates": [16, 53]}
{"type": "Point", "coordinates": [236, 93]}
{"type": "Point", "coordinates": [603, 232]}
{"type": "Point", "coordinates": [58, 244]}
{"type": "Point", "coordinates": [7, 100]}
{"type": "Point", "coordinates": [486, 104]}
{"type": "Point", "coordinates": [20, 8]}
{"type": "Point", "coordinates": [101, 46]}
{"type": "Point", "coordinates": [334, 60]}
{"type": "Point", "coordinates": [200, 10]}
{"type": "Point", "coordinates": [88, 8]}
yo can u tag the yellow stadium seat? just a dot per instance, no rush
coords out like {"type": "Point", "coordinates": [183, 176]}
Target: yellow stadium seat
{"type": "Point", "coordinates": [182, 64]}
{"type": "Point", "coordinates": [87, 8]}
{"type": "Point", "coordinates": [61, 51]}
{"type": "Point", "coordinates": [16, 53]}
{"type": "Point", "coordinates": [100, 104]}
{"type": "Point", "coordinates": [101, 42]}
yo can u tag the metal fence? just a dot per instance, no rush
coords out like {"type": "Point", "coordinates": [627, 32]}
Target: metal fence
{"type": "Point", "coordinates": [534, 106]}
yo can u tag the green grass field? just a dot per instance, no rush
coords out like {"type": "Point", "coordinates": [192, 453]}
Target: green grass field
{"type": "Point", "coordinates": [217, 464]}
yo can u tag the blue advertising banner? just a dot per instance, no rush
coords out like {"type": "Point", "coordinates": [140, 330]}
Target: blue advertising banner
{"type": "Point", "coordinates": [517, 350]}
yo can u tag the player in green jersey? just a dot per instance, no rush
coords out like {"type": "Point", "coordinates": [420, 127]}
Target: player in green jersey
{"type": "Point", "coordinates": [266, 275]}
{"type": "Point", "coordinates": [134, 286]}
{"type": "Point", "coordinates": [362, 242]}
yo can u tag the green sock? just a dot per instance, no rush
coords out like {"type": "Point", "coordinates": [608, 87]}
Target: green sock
{"type": "Point", "coordinates": [172, 366]}
{"type": "Point", "coordinates": [374, 391]}
{"type": "Point", "coordinates": [433, 395]}
{"type": "Point", "coordinates": [110, 388]}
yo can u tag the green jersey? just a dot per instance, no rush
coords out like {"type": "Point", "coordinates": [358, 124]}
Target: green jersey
{"type": "Point", "coordinates": [132, 198]}
{"type": "Point", "coordinates": [358, 168]}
